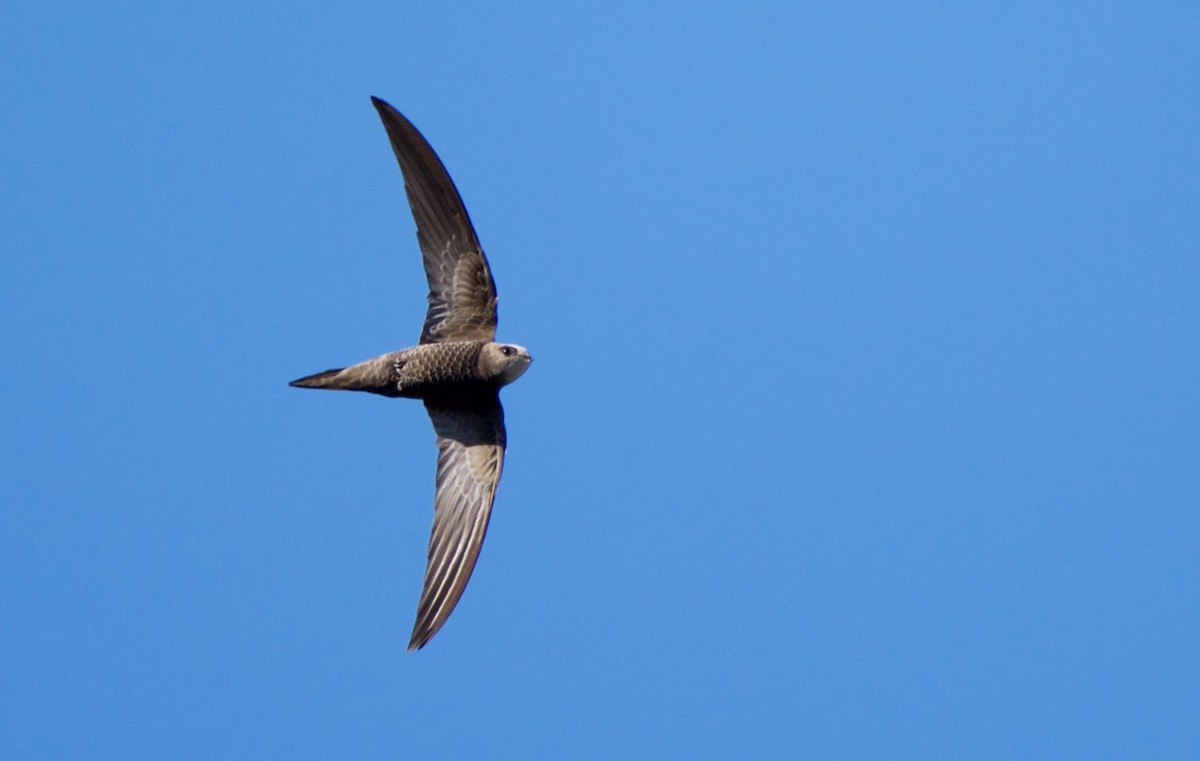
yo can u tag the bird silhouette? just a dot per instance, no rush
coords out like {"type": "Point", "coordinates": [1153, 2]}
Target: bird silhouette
{"type": "Point", "coordinates": [456, 369]}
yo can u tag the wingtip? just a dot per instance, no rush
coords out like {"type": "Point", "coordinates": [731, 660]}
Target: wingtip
{"type": "Point", "coordinates": [382, 106]}
{"type": "Point", "coordinates": [419, 639]}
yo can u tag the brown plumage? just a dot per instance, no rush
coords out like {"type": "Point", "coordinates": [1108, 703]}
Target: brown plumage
{"type": "Point", "coordinates": [457, 369]}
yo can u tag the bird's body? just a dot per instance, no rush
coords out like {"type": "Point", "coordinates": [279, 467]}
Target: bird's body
{"type": "Point", "coordinates": [428, 371]}
{"type": "Point", "coordinates": [457, 370]}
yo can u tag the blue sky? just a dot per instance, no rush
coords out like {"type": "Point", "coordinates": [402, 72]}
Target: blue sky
{"type": "Point", "coordinates": [863, 424]}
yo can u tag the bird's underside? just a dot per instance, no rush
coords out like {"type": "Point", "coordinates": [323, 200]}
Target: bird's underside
{"type": "Point", "coordinates": [415, 372]}
{"type": "Point", "coordinates": [457, 370]}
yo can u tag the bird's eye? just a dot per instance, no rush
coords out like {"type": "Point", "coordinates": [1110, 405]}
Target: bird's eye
{"type": "Point", "coordinates": [507, 351]}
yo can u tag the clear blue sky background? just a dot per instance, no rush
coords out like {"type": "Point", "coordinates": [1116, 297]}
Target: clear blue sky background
{"type": "Point", "coordinates": [863, 424]}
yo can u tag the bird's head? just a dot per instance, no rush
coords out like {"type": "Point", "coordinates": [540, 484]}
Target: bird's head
{"type": "Point", "coordinates": [504, 362]}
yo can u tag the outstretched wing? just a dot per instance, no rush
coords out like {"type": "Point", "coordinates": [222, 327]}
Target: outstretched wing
{"type": "Point", "coordinates": [462, 296]}
{"type": "Point", "coordinates": [470, 440]}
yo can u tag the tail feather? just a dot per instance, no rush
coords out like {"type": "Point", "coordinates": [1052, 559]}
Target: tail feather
{"type": "Point", "coordinates": [374, 375]}
{"type": "Point", "coordinates": [328, 379]}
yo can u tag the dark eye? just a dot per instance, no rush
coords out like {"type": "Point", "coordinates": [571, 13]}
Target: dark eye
{"type": "Point", "coordinates": [507, 351]}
